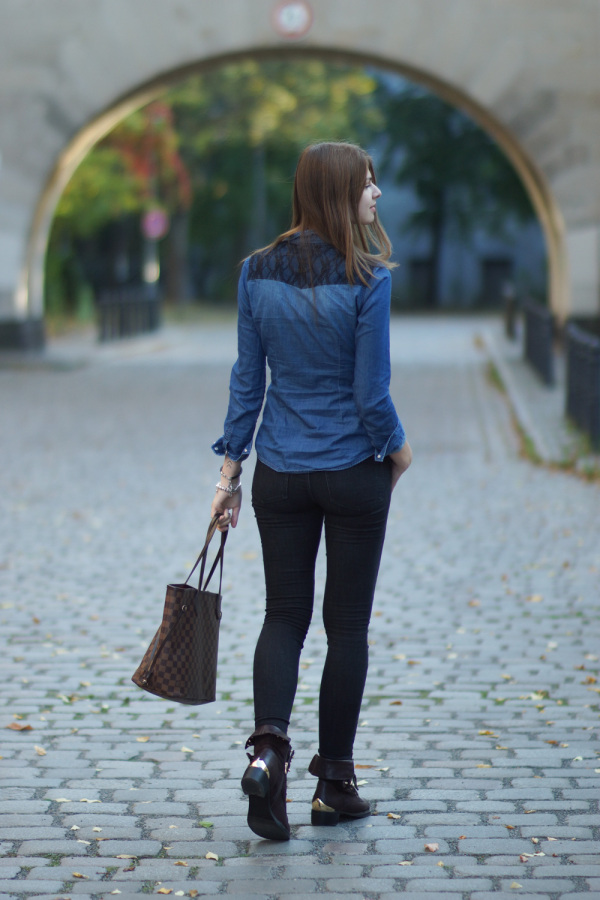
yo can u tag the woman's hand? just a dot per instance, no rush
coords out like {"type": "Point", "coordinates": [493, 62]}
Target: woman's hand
{"type": "Point", "coordinates": [401, 460]}
{"type": "Point", "coordinates": [227, 501]}
{"type": "Point", "coordinates": [228, 507]}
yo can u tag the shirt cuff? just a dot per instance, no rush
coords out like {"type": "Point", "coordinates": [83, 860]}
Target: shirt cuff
{"type": "Point", "coordinates": [222, 448]}
{"type": "Point", "coordinates": [395, 442]}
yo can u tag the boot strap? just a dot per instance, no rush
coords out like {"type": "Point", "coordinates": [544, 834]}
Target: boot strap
{"type": "Point", "coordinates": [332, 769]}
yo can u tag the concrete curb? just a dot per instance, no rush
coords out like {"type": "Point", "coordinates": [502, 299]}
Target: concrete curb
{"type": "Point", "coordinates": [516, 400]}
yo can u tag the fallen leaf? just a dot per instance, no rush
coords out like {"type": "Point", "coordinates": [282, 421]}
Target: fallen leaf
{"type": "Point", "coordinates": [193, 892]}
{"type": "Point", "coordinates": [527, 811]}
{"type": "Point", "coordinates": [413, 662]}
{"type": "Point", "coordinates": [554, 743]}
{"type": "Point", "coordinates": [441, 863]}
{"type": "Point", "coordinates": [165, 891]}
{"type": "Point", "coordinates": [483, 766]}
{"type": "Point", "coordinates": [205, 824]}
{"type": "Point", "coordinates": [357, 766]}
{"type": "Point", "coordinates": [186, 750]}
{"type": "Point", "coordinates": [393, 816]}
{"type": "Point", "coordinates": [126, 856]}
{"type": "Point", "coordinates": [515, 885]}
{"type": "Point", "coordinates": [431, 848]}
{"type": "Point", "coordinates": [142, 740]}
{"type": "Point", "coordinates": [79, 875]}
{"type": "Point", "coordinates": [40, 751]}
{"type": "Point", "coordinates": [75, 828]}
{"type": "Point", "coordinates": [487, 731]}
{"type": "Point", "coordinates": [14, 726]}
{"type": "Point", "coordinates": [211, 856]}
{"type": "Point", "coordinates": [405, 862]}
{"type": "Point", "coordinates": [61, 800]}
{"type": "Point", "coordinates": [85, 800]}
{"type": "Point", "coordinates": [462, 837]}
{"type": "Point", "coordinates": [535, 840]}
{"type": "Point", "coordinates": [510, 827]}
{"type": "Point", "coordinates": [590, 680]}
{"type": "Point", "coordinates": [396, 703]}
{"type": "Point", "coordinates": [81, 841]}
{"type": "Point", "coordinates": [96, 828]}
{"type": "Point", "coordinates": [551, 839]}
{"type": "Point", "coordinates": [181, 862]}
{"type": "Point", "coordinates": [534, 598]}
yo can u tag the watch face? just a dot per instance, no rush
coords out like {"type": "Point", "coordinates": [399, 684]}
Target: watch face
{"type": "Point", "coordinates": [292, 19]}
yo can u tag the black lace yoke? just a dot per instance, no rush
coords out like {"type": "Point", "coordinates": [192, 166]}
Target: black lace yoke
{"type": "Point", "coordinates": [302, 260]}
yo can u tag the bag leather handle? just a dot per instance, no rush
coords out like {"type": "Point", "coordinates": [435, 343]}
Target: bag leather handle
{"type": "Point", "coordinates": [202, 556]}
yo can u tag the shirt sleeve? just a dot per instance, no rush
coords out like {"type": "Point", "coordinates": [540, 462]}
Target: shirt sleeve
{"type": "Point", "coordinates": [247, 383]}
{"type": "Point", "coordinates": [372, 369]}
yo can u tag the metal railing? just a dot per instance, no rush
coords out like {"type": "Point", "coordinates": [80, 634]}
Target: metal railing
{"type": "Point", "coordinates": [539, 340]}
{"type": "Point", "coordinates": [126, 311]}
{"type": "Point", "coordinates": [583, 381]}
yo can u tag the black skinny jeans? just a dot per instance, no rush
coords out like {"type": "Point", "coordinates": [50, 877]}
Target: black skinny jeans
{"type": "Point", "coordinates": [290, 511]}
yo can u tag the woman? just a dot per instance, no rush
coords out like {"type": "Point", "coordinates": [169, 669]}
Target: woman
{"type": "Point", "coordinates": [315, 305]}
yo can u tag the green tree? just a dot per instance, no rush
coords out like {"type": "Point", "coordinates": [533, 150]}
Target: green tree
{"type": "Point", "coordinates": [242, 127]}
{"type": "Point", "coordinates": [137, 167]}
{"type": "Point", "coordinates": [459, 175]}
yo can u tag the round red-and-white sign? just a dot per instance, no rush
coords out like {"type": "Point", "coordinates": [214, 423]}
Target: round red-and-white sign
{"type": "Point", "coordinates": [292, 19]}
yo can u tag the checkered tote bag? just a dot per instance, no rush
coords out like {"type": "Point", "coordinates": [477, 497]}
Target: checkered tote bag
{"type": "Point", "coordinates": [181, 662]}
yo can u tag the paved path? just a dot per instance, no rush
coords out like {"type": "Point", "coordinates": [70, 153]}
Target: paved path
{"type": "Point", "coordinates": [480, 726]}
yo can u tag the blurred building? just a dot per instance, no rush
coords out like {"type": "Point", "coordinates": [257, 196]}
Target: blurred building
{"type": "Point", "coordinates": [527, 71]}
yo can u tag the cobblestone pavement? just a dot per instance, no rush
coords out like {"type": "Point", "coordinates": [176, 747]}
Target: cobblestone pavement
{"type": "Point", "coordinates": [479, 738]}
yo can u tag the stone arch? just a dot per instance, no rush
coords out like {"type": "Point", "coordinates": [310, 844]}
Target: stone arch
{"type": "Point", "coordinates": [31, 287]}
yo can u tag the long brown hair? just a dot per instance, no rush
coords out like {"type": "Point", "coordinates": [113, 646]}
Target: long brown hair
{"type": "Point", "coordinates": [328, 186]}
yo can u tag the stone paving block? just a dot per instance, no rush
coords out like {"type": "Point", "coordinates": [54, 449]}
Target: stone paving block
{"type": "Point", "coordinates": [65, 847]}
{"type": "Point", "coordinates": [136, 847]}
{"type": "Point", "coordinates": [558, 886]}
{"type": "Point", "coordinates": [265, 888]}
{"type": "Point", "coordinates": [503, 894]}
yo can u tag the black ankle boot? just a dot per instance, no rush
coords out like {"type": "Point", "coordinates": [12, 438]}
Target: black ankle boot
{"type": "Point", "coordinates": [264, 782]}
{"type": "Point", "coordinates": [336, 796]}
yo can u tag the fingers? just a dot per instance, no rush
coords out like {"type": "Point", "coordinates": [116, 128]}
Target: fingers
{"type": "Point", "coordinates": [225, 520]}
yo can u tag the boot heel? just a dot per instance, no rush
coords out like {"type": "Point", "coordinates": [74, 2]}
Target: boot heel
{"type": "Point", "coordinates": [323, 815]}
{"type": "Point", "coordinates": [255, 780]}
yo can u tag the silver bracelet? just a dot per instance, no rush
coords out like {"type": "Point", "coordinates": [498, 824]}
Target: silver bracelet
{"type": "Point", "coordinates": [230, 489]}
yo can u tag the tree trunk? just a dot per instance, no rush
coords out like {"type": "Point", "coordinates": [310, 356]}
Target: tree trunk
{"type": "Point", "coordinates": [438, 228]}
{"type": "Point", "coordinates": [177, 274]}
{"type": "Point", "coordinates": [258, 223]}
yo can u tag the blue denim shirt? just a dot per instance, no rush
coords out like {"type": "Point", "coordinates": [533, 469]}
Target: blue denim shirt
{"type": "Point", "coordinates": [326, 342]}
